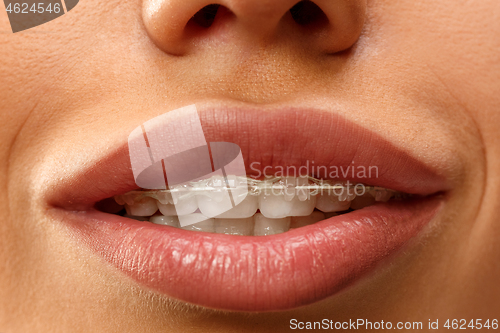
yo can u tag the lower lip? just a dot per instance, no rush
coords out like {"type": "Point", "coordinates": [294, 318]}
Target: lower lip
{"type": "Point", "coordinates": [267, 273]}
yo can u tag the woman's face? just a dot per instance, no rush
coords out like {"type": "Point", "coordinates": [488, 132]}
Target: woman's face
{"type": "Point", "coordinates": [424, 76]}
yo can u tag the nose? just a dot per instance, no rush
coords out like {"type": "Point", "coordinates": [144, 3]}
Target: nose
{"type": "Point", "coordinates": [181, 26]}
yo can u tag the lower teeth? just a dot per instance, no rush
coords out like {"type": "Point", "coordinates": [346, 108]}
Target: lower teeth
{"type": "Point", "coordinates": [271, 206]}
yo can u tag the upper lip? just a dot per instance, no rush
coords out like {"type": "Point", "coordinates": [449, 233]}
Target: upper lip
{"type": "Point", "coordinates": [278, 137]}
{"type": "Point", "coordinates": [285, 136]}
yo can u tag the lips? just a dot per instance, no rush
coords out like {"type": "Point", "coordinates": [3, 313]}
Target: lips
{"type": "Point", "coordinates": [259, 273]}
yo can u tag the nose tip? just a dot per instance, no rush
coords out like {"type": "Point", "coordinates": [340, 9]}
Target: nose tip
{"type": "Point", "coordinates": [178, 26]}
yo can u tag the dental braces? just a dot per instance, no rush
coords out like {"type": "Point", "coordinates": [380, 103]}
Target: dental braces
{"type": "Point", "coordinates": [309, 186]}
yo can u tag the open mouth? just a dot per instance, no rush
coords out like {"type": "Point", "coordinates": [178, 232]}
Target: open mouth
{"type": "Point", "coordinates": [291, 242]}
{"type": "Point", "coordinates": [271, 206]}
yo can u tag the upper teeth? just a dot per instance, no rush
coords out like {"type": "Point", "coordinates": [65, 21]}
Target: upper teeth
{"type": "Point", "coordinates": [283, 203]}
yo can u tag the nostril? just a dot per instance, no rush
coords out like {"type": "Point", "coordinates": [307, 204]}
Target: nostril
{"type": "Point", "coordinates": [179, 27]}
{"type": "Point", "coordinates": [205, 17]}
{"type": "Point", "coordinates": [307, 13]}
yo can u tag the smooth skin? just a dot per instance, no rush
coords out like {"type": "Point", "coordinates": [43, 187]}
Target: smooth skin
{"type": "Point", "coordinates": [425, 74]}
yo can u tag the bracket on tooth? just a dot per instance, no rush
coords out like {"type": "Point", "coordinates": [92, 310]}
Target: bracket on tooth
{"type": "Point", "coordinates": [305, 186]}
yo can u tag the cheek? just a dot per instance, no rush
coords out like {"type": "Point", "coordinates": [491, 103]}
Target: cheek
{"type": "Point", "coordinates": [66, 56]}
{"type": "Point", "coordinates": [457, 42]}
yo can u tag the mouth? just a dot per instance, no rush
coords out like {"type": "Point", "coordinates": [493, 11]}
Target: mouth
{"type": "Point", "coordinates": [294, 239]}
{"type": "Point", "coordinates": [268, 207]}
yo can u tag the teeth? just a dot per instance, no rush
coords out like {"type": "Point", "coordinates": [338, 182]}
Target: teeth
{"type": "Point", "coordinates": [167, 209]}
{"type": "Point", "coordinates": [172, 221]}
{"type": "Point", "coordinates": [185, 205]}
{"type": "Point", "coordinates": [185, 220]}
{"type": "Point", "coordinates": [347, 195]}
{"type": "Point", "coordinates": [272, 205]}
{"type": "Point", "coordinates": [278, 202]}
{"type": "Point", "coordinates": [165, 198]}
{"type": "Point", "coordinates": [362, 201]}
{"type": "Point", "coordinates": [246, 208]}
{"type": "Point", "coordinates": [302, 221]}
{"type": "Point", "coordinates": [198, 222]}
{"type": "Point", "coordinates": [302, 208]}
{"type": "Point", "coordinates": [242, 227]}
{"type": "Point", "coordinates": [266, 226]}
{"type": "Point", "coordinates": [211, 205]}
{"type": "Point", "coordinates": [119, 200]}
{"type": "Point", "coordinates": [289, 190]}
{"type": "Point", "coordinates": [216, 201]}
{"type": "Point", "coordinates": [330, 203]}
{"type": "Point", "coordinates": [302, 203]}
{"type": "Point", "coordinates": [144, 207]}
{"type": "Point", "coordinates": [284, 202]}
{"type": "Point", "coordinates": [124, 199]}
{"type": "Point", "coordinates": [381, 195]}
{"type": "Point", "coordinates": [302, 193]}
